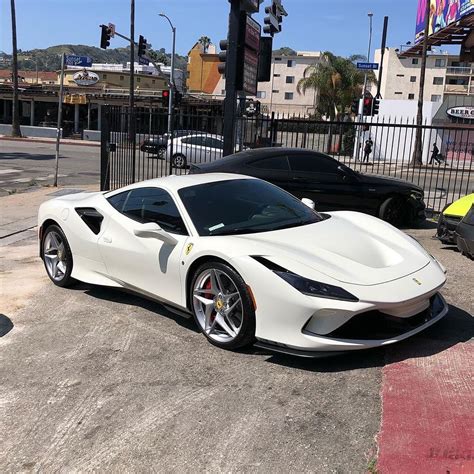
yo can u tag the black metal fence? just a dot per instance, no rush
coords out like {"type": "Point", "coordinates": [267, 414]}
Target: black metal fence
{"type": "Point", "coordinates": [143, 151]}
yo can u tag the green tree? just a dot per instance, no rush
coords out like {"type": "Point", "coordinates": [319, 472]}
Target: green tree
{"type": "Point", "coordinates": [16, 131]}
{"type": "Point", "coordinates": [204, 41]}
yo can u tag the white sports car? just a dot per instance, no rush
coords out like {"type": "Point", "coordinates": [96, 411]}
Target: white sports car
{"type": "Point", "coordinates": [251, 262]}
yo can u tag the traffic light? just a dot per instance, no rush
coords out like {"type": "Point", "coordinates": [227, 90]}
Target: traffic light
{"type": "Point", "coordinates": [375, 106]}
{"type": "Point", "coordinates": [265, 59]}
{"type": "Point", "coordinates": [223, 44]}
{"type": "Point", "coordinates": [367, 110]}
{"type": "Point", "coordinates": [355, 106]}
{"type": "Point", "coordinates": [105, 35]}
{"type": "Point", "coordinates": [274, 18]}
{"type": "Point", "coordinates": [165, 97]}
{"type": "Point", "coordinates": [177, 98]}
{"type": "Point", "coordinates": [141, 46]}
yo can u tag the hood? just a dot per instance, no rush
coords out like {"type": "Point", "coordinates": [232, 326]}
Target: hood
{"type": "Point", "coordinates": [349, 247]}
{"type": "Point", "coordinates": [460, 207]}
{"type": "Point", "coordinates": [387, 181]}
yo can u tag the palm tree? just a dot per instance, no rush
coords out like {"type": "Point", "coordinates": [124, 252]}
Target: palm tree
{"type": "Point", "coordinates": [337, 82]}
{"type": "Point", "coordinates": [16, 131]}
{"type": "Point", "coordinates": [204, 41]}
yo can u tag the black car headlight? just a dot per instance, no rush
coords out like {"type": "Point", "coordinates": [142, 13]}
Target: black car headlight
{"type": "Point", "coordinates": [305, 285]}
{"type": "Point", "coordinates": [416, 195]}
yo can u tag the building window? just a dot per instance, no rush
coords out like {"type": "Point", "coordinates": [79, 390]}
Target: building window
{"type": "Point", "coordinates": [223, 92]}
{"type": "Point", "coordinates": [121, 78]}
{"type": "Point", "coordinates": [275, 91]}
{"type": "Point", "coordinates": [153, 81]}
{"type": "Point", "coordinates": [291, 63]}
{"type": "Point", "coordinates": [414, 61]}
{"type": "Point", "coordinates": [400, 75]}
{"type": "Point", "coordinates": [440, 62]}
{"type": "Point", "coordinates": [261, 95]}
{"type": "Point", "coordinates": [438, 81]}
{"type": "Point", "coordinates": [276, 75]}
{"type": "Point", "coordinates": [411, 96]}
{"type": "Point", "coordinates": [290, 79]}
{"type": "Point", "coordinates": [398, 93]}
{"type": "Point", "coordinates": [435, 98]}
{"type": "Point", "coordinates": [277, 59]}
{"type": "Point", "coordinates": [288, 95]}
{"type": "Point", "coordinates": [412, 78]}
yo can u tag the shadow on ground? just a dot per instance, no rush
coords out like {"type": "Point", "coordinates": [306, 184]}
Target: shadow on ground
{"type": "Point", "coordinates": [6, 325]}
{"type": "Point", "coordinates": [455, 328]}
{"type": "Point", "coordinates": [29, 156]}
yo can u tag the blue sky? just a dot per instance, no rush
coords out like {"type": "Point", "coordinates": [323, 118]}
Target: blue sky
{"type": "Point", "coordinates": [339, 26]}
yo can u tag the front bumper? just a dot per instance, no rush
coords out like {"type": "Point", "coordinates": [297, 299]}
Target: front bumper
{"type": "Point", "coordinates": [464, 237]}
{"type": "Point", "coordinates": [447, 227]}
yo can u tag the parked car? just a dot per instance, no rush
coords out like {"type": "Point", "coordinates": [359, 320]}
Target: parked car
{"type": "Point", "coordinates": [196, 148]}
{"type": "Point", "coordinates": [156, 145]}
{"type": "Point", "coordinates": [249, 261]}
{"type": "Point", "coordinates": [456, 225]}
{"type": "Point", "coordinates": [332, 185]}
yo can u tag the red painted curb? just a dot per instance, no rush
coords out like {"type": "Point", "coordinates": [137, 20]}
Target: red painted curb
{"type": "Point", "coordinates": [428, 413]}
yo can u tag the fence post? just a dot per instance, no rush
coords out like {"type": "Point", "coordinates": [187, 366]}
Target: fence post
{"type": "Point", "coordinates": [104, 149]}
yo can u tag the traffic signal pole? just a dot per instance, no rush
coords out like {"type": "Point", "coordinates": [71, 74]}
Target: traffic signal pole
{"type": "Point", "coordinates": [230, 102]}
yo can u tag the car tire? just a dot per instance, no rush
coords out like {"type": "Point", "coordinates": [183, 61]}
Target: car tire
{"type": "Point", "coordinates": [222, 306]}
{"type": "Point", "coordinates": [178, 161]}
{"type": "Point", "coordinates": [57, 256]}
{"type": "Point", "coordinates": [392, 211]}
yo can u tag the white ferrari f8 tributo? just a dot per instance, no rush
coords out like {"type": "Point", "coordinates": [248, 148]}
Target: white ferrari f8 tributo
{"type": "Point", "coordinates": [249, 261]}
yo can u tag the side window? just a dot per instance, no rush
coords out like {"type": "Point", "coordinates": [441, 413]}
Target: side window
{"type": "Point", "coordinates": [272, 163]}
{"type": "Point", "coordinates": [214, 143]}
{"type": "Point", "coordinates": [118, 200]}
{"type": "Point", "coordinates": [313, 163]}
{"type": "Point", "coordinates": [198, 140]}
{"type": "Point", "coordinates": [153, 205]}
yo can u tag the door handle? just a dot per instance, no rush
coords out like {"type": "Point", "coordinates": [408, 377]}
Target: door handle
{"type": "Point", "coordinates": [107, 240]}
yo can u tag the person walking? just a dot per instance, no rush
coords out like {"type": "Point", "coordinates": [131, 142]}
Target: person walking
{"type": "Point", "coordinates": [435, 156]}
{"type": "Point", "coordinates": [367, 150]}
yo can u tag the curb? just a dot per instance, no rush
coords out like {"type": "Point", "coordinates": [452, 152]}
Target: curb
{"type": "Point", "coordinates": [39, 140]}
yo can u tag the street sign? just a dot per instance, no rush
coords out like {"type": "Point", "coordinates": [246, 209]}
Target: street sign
{"type": "Point", "coordinates": [250, 72]}
{"type": "Point", "coordinates": [143, 61]}
{"type": "Point", "coordinates": [112, 29]}
{"type": "Point", "coordinates": [368, 66]}
{"type": "Point", "coordinates": [73, 60]}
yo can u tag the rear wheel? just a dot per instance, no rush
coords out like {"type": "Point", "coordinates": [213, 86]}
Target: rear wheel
{"type": "Point", "coordinates": [222, 306]}
{"type": "Point", "coordinates": [393, 211]}
{"type": "Point", "coordinates": [57, 256]}
{"type": "Point", "coordinates": [178, 161]}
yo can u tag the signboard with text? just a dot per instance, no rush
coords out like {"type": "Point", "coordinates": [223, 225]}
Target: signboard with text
{"type": "Point", "coordinates": [74, 60]}
{"type": "Point", "coordinates": [250, 55]}
{"type": "Point", "coordinates": [368, 66]}
{"type": "Point", "coordinates": [442, 14]}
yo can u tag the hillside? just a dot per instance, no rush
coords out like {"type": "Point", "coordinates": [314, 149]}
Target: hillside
{"type": "Point", "coordinates": [48, 59]}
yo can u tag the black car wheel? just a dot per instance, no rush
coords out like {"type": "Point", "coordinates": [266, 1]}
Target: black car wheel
{"type": "Point", "coordinates": [178, 161]}
{"type": "Point", "coordinates": [393, 210]}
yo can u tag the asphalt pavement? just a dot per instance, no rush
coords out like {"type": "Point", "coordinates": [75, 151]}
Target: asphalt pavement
{"type": "Point", "coordinates": [28, 164]}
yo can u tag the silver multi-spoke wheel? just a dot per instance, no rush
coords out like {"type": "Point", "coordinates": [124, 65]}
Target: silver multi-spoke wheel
{"type": "Point", "coordinates": [55, 257]}
{"type": "Point", "coordinates": [218, 305]}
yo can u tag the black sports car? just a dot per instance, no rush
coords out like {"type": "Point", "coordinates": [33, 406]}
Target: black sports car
{"type": "Point", "coordinates": [465, 234]}
{"type": "Point", "coordinates": [332, 185]}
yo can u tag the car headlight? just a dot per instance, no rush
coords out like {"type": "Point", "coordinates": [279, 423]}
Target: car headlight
{"type": "Point", "coordinates": [417, 195]}
{"type": "Point", "coordinates": [315, 288]}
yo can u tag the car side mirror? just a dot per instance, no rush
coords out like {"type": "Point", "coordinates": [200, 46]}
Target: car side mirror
{"type": "Point", "coordinates": [151, 230]}
{"type": "Point", "coordinates": [308, 202]}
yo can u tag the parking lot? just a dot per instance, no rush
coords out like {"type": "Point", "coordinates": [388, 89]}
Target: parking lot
{"type": "Point", "coordinates": [98, 379]}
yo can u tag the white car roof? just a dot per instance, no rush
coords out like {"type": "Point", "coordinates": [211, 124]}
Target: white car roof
{"type": "Point", "coordinates": [176, 182]}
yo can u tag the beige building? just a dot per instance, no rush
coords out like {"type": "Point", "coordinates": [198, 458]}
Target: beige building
{"type": "Point", "coordinates": [280, 94]}
{"type": "Point", "coordinates": [445, 75]}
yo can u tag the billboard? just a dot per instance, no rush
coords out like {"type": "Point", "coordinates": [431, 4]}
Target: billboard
{"type": "Point", "coordinates": [442, 14]}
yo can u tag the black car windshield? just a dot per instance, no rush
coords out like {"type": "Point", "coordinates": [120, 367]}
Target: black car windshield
{"type": "Point", "coordinates": [244, 206]}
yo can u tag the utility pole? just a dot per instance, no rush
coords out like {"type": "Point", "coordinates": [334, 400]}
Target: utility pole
{"type": "Point", "coordinates": [16, 130]}
{"type": "Point", "coordinates": [364, 89]}
{"type": "Point", "coordinates": [382, 54]}
{"type": "Point", "coordinates": [131, 101]}
{"type": "Point", "coordinates": [60, 117]}
{"type": "Point", "coordinates": [230, 102]}
{"type": "Point", "coordinates": [417, 158]}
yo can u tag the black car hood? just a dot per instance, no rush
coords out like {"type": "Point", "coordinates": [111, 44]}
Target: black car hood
{"type": "Point", "coordinates": [386, 181]}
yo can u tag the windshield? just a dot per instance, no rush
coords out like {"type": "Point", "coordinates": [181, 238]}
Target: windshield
{"type": "Point", "coordinates": [244, 206]}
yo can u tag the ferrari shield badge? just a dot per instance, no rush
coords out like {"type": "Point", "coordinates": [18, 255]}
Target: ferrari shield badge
{"type": "Point", "coordinates": [189, 247]}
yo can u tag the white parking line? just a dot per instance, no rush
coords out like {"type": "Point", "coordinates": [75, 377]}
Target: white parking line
{"type": "Point", "coordinates": [8, 171]}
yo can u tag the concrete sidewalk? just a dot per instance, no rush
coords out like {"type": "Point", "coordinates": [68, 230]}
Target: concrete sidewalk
{"type": "Point", "coordinates": [64, 141]}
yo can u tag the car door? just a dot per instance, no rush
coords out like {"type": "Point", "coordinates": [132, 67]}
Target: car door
{"type": "Point", "coordinates": [192, 149]}
{"type": "Point", "coordinates": [274, 169]}
{"type": "Point", "coordinates": [318, 177]}
{"type": "Point", "coordinates": [144, 263]}
{"type": "Point", "coordinates": [214, 148]}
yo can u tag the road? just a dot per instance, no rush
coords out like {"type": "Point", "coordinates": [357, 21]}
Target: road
{"type": "Point", "coordinates": [26, 164]}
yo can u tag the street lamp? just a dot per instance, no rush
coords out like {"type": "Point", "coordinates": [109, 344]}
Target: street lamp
{"type": "Point", "coordinates": [171, 93]}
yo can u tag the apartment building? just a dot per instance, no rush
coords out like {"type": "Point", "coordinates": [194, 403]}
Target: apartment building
{"type": "Point", "coordinates": [446, 75]}
{"type": "Point", "coordinates": [280, 95]}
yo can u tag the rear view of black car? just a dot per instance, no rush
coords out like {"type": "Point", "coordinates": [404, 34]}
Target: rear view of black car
{"type": "Point", "coordinates": [332, 185]}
